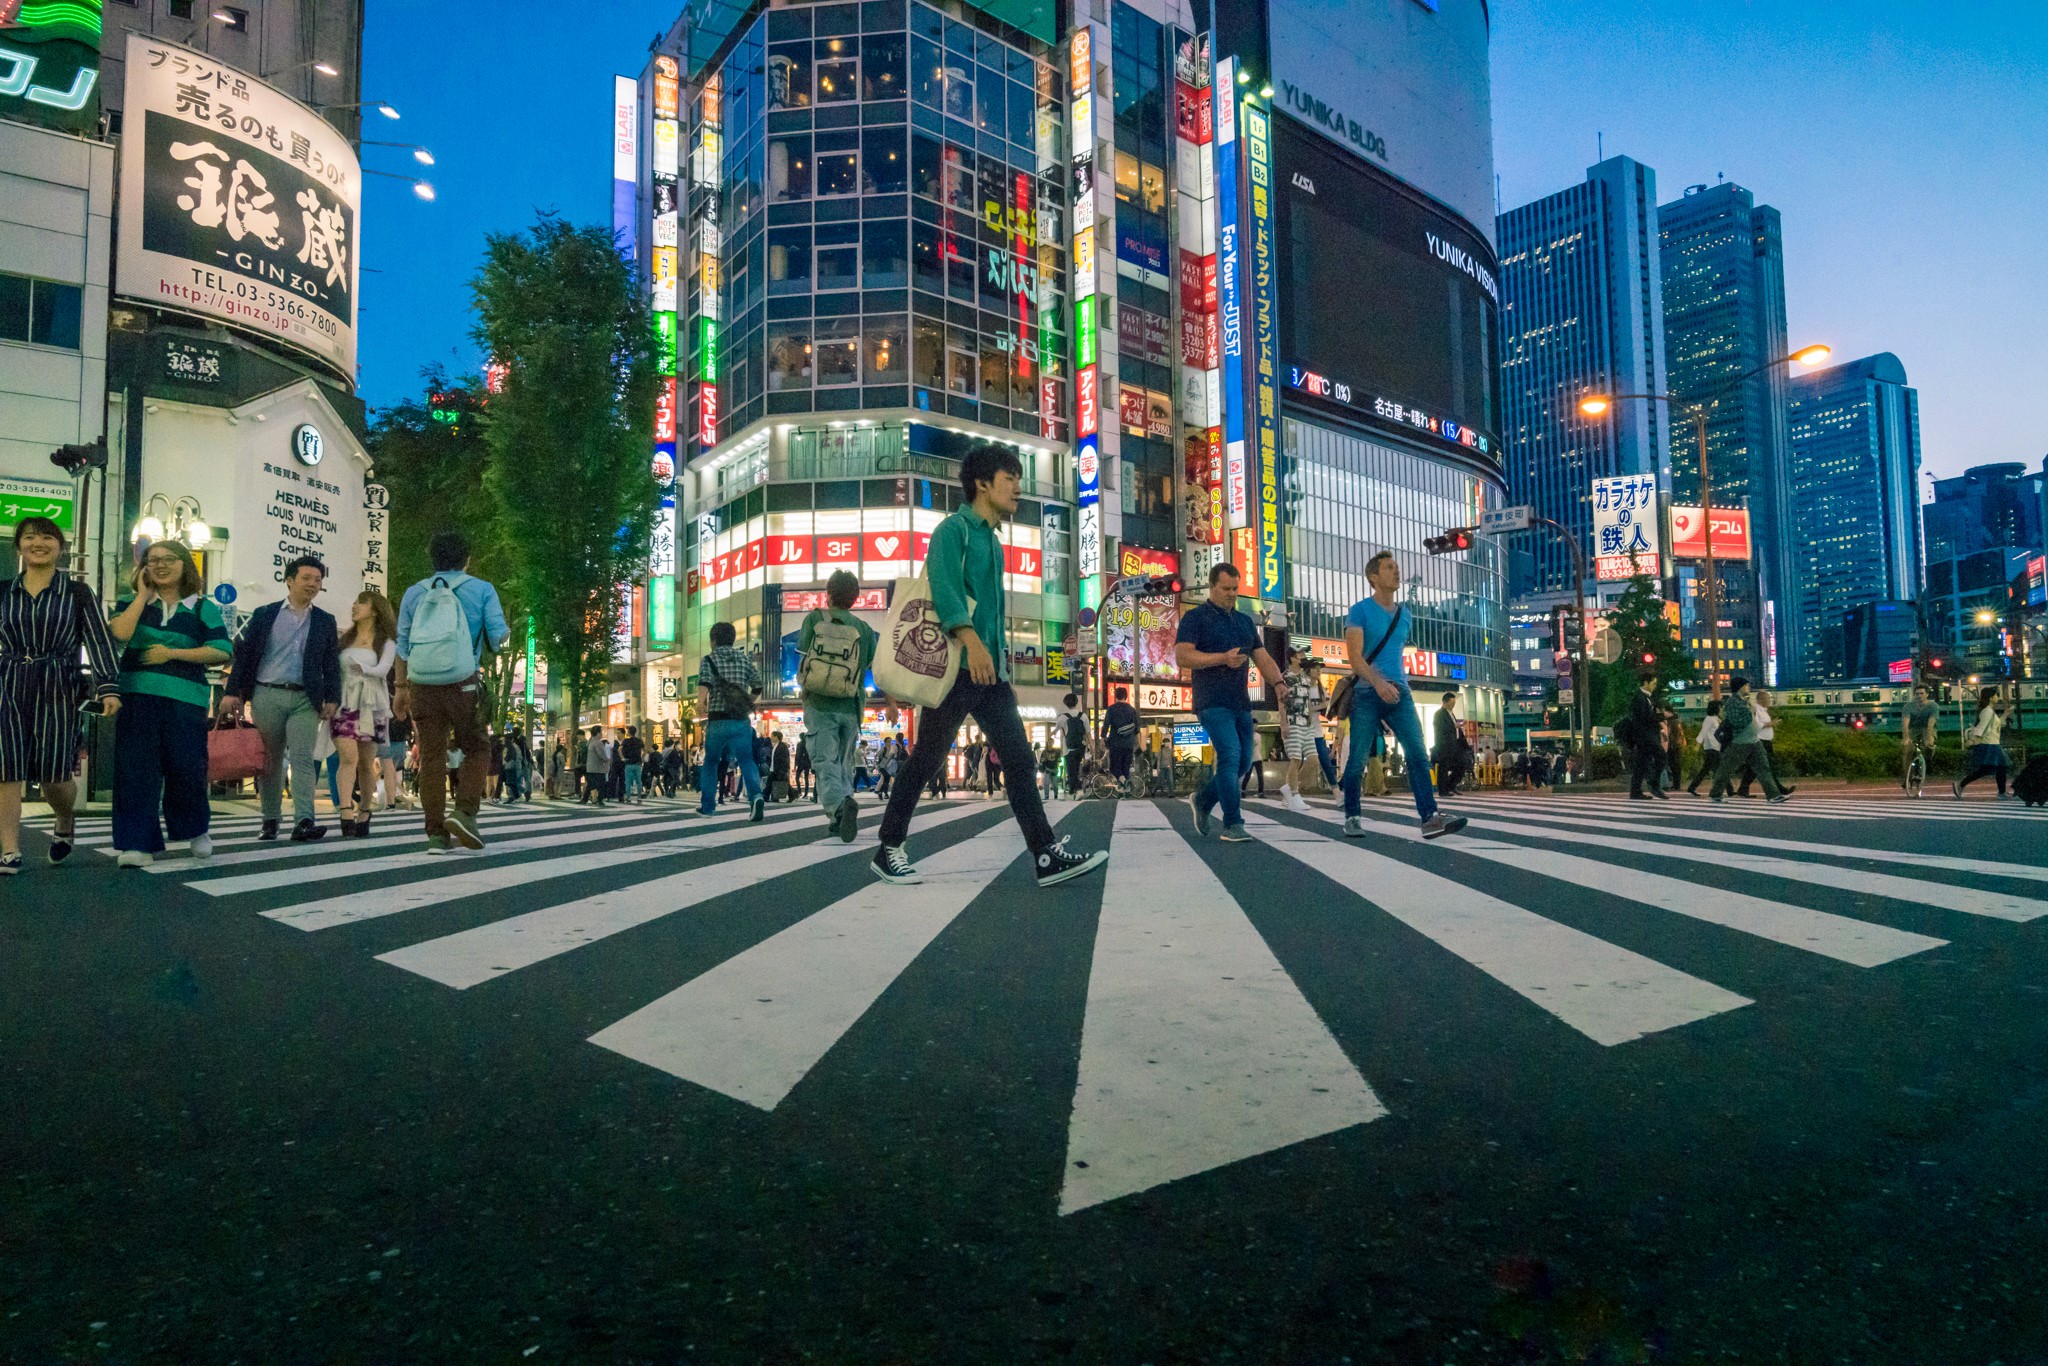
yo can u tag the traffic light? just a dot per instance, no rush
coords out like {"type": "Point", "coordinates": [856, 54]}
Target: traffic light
{"type": "Point", "coordinates": [72, 459]}
{"type": "Point", "coordinates": [1456, 539]}
{"type": "Point", "coordinates": [1649, 657]}
{"type": "Point", "coordinates": [1574, 633]}
{"type": "Point", "coordinates": [446, 406]}
{"type": "Point", "coordinates": [1163, 585]}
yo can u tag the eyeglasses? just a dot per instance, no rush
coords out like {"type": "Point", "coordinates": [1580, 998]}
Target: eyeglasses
{"type": "Point", "coordinates": [164, 561]}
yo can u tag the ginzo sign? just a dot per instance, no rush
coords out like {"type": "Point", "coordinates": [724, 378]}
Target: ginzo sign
{"type": "Point", "coordinates": [237, 203]}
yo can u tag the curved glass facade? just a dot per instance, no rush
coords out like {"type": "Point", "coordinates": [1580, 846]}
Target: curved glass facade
{"type": "Point", "coordinates": [1347, 498]}
{"type": "Point", "coordinates": [893, 219]}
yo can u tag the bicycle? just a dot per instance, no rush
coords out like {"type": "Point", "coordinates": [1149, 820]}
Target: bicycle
{"type": "Point", "coordinates": [1916, 771]}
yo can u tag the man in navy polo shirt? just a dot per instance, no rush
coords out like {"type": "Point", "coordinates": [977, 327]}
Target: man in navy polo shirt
{"type": "Point", "coordinates": [1218, 644]}
{"type": "Point", "coordinates": [1375, 632]}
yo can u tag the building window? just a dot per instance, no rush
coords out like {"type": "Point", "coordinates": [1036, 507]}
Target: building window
{"type": "Point", "coordinates": [40, 311]}
{"type": "Point", "coordinates": [789, 76]}
{"type": "Point", "coordinates": [789, 261]}
{"type": "Point", "coordinates": [881, 61]}
{"type": "Point", "coordinates": [960, 362]}
{"type": "Point", "coordinates": [838, 256]}
{"type": "Point", "coordinates": [838, 71]}
{"type": "Point", "coordinates": [884, 360]}
{"type": "Point", "coordinates": [838, 343]}
{"type": "Point", "coordinates": [789, 168]}
{"type": "Point", "coordinates": [838, 171]}
{"type": "Point", "coordinates": [789, 357]}
{"type": "Point", "coordinates": [882, 161]}
{"type": "Point", "coordinates": [181, 9]}
{"type": "Point", "coordinates": [233, 20]}
{"type": "Point", "coordinates": [888, 258]}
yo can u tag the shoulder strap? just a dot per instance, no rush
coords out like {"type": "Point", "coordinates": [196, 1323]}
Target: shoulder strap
{"type": "Point", "coordinates": [1388, 634]}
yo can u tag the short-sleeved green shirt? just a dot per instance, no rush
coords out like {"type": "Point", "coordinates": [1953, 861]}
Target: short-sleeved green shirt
{"type": "Point", "coordinates": [868, 641]}
{"type": "Point", "coordinates": [192, 623]}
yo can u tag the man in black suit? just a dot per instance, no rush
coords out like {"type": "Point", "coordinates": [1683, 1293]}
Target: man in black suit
{"type": "Point", "coordinates": [1646, 735]}
{"type": "Point", "coordinates": [287, 671]}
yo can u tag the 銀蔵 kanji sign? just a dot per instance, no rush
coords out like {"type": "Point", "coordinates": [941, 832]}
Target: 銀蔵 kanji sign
{"type": "Point", "coordinates": [237, 203]}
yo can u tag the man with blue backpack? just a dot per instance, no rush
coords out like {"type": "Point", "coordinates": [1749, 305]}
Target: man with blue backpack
{"type": "Point", "coordinates": [447, 623]}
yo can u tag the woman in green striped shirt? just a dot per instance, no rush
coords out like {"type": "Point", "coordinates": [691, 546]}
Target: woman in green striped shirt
{"type": "Point", "coordinates": [172, 632]}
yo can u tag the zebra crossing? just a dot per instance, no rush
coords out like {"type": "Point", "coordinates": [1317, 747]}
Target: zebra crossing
{"type": "Point", "coordinates": [1199, 1046]}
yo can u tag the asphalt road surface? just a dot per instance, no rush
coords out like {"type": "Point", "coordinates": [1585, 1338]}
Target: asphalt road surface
{"type": "Point", "coordinates": [1596, 1080]}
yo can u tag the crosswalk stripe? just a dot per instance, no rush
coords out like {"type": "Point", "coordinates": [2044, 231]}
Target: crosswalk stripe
{"type": "Point", "coordinates": [1840, 937]}
{"type": "Point", "coordinates": [411, 837]}
{"type": "Point", "coordinates": [1941, 808]}
{"type": "Point", "coordinates": [335, 869]}
{"type": "Point", "coordinates": [1948, 862]}
{"type": "Point", "coordinates": [230, 830]}
{"type": "Point", "coordinates": [1606, 992]}
{"type": "Point", "coordinates": [1996, 905]}
{"type": "Point", "coordinates": [755, 1025]}
{"type": "Point", "coordinates": [1197, 1048]}
{"type": "Point", "coordinates": [350, 907]}
{"type": "Point", "coordinates": [490, 951]}
{"type": "Point", "coordinates": [1747, 810]}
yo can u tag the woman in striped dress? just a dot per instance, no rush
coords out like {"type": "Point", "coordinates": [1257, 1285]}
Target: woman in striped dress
{"type": "Point", "coordinates": [47, 621]}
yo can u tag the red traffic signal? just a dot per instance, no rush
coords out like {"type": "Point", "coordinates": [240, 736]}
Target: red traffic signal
{"type": "Point", "coordinates": [1164, 585]}
{"type": "Point", "coordinates": [1456, 539]}
{"type": "Point", "coordinates": [1649, 658]}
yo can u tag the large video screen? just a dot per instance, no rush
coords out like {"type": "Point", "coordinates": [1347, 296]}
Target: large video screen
{"type": "Point", "coordinates": [1388, 306]}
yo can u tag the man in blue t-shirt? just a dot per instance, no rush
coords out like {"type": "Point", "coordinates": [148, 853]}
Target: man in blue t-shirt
{"type": "Point", "coordinates": [1375, 631]}
{"type": "Point", "coordinates": [1217, 644]}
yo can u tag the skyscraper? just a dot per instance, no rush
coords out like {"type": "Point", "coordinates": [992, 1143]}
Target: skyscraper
{"type": "Point", "coordinates": [1854, 474]}
{"type": "Point", "coordinates": [1724, 318]}
{"type": "Point", "coordinates": [1986, 507]}
{"type": "Point", "coordinates": [1582, 311]}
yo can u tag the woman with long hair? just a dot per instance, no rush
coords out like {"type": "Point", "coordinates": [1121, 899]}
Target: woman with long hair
{"type": "Point", "coordinates": [1987, 753]}
{"type": "Point", "coordinates": [1305, 701]}
{"type": "Point", "coordinates": [362, 725]}
{"type": "Point", "coordinates": [47, 620]}
{"type": "Point", "coordinates": [173, 634]}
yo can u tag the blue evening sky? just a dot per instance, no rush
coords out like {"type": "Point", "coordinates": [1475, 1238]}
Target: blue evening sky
{"type": "Point", "coordinates": [1900, 139]}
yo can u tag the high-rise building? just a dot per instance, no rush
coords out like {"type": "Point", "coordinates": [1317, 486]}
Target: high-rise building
{"type": "Point", "coordinates": [874, 233]}
{"type": "Point", "coordinates": [1987, 507]}
{"type": "Point", "coordinates": [1853, 482]}
{"type": "Point", "coordinates": [1724, 327]}
{"type": "Point", "coordinates": [1582, 311]}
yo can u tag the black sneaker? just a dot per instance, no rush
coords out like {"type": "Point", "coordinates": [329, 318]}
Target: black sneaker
{"type": "Point", "coordinates": [60, 845]}
{"type": "Point", "coordinates": [891, 864]}
{"type": "Point", "coordinates": [849, 820]}
{"type": "Point", "coordinates": [269, 831]}
{"type": "Point", "coordinates": [10, 865]}
{"type": "Point", "coordinates": [1056, 863]}
{"type": "Point", "coordinates": [1201, 816]}
{"type": "Point", "coordinates": [760, 812]}
{"type": "Point", "coordinates": [305, 832]}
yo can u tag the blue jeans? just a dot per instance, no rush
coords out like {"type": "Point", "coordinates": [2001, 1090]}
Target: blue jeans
{"type": "Point", "coordinates": [632, 780]}
{"type": "Point", "coordinates": [1367, 710]}
{"type": "Point", "coordinates": [732, 741]}
{"type": "Point", "coordinates": [834, 733]}
{"type": "Point", "coordinates": [1230, 731]}
{"type": "Point", "coordinates": [1323, 758]}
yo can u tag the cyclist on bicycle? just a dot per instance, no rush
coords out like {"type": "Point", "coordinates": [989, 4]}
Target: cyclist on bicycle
{"type": "Point", "coordinates": [1916, 728]}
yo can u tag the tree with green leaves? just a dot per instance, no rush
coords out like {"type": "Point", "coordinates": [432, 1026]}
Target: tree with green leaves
{"type": "Point", "coordinates": [1649, 640]}
{"type": "Point", "coordinates": [570, 436]}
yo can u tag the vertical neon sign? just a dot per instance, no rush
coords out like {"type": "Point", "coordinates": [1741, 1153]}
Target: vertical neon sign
{"type": "Point", "coordinates": [1265, 349]}
{"type": "Point", "coordinates": [1087, 395]}
{"type": "Point", "coordinates": [1230, 306]}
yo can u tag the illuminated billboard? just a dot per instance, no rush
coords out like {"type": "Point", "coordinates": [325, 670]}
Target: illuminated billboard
{"type": "Point", "coordinates": [1689, 533]}
{"type": "Point", "coordinates": [1389, 307]}
{"type": "Point", "coordinates": [238, 204]}
{"type": "Point", "coordinates": [50, 54]}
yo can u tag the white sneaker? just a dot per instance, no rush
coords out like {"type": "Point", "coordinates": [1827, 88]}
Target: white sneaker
{"type": "Point", "coordinates": [1295, 801]}
{"type": "Point", "coordinates": [201, 847]}
{"type": "Point", "coordinates": [134, 858]}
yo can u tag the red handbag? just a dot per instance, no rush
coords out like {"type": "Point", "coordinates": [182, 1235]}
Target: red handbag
{"type": "Point", "coordinates": [233, 753]}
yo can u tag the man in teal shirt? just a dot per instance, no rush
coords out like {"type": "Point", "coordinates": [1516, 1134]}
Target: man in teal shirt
{"type": "Point", "coordinates": [965, 564]}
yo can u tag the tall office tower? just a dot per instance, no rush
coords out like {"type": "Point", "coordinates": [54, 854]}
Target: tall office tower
{"type": "Point", "coordinates": [1986, 507]}
{"type": "Point", "coordinates": [1582, 311]}
{"type": "Point", "coordinates": [1724, 326]}
{"type": "Point", "coordinates": [1854, 474]}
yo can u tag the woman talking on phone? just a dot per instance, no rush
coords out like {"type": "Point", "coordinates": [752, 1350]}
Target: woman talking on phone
{"type": "Point", "coordinates": [48, 620]}
{"type": "Point", "coordinates": [172, 632]}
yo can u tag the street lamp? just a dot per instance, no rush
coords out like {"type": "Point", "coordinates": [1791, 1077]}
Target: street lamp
{"type": "Point", "coordinates": [419, 153]}
{"type": "Point", "coordinates": [419, 187]}
{"type": "Point", "coordinates": [182, 521]}
{"type": "Point", "coordinates": [324, 68]}
{"type": "Point", "coordinates": [380, 106]}
{"type": "Point", "coordinates": [1596, 405]}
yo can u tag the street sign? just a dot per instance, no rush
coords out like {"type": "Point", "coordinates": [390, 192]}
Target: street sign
{"type": "Point", "coordinates": [224, 594]}
{"type": "Point", "coordinates": [1496, 520]}
{"type": "Point", "coordinates": [1080, 647]}
{"type": "Point", "coordinates": [21, 499]}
